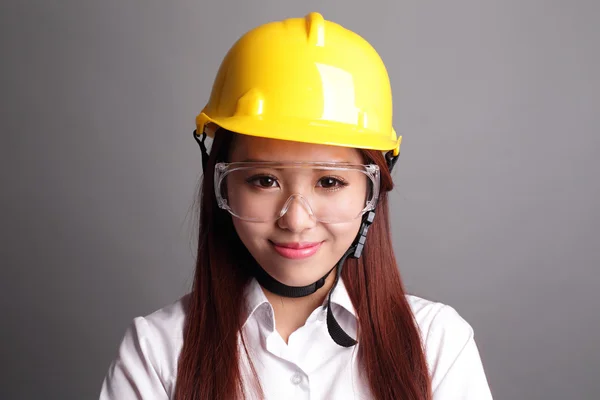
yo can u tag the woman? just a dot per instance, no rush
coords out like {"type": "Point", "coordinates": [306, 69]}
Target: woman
{"type": "Point", "coordinates": [297, 293]}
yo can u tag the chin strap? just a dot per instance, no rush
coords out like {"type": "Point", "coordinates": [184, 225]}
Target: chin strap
{"type": "Point", "coordinates": [274, 286]}
{"type": "Point", "coordinates": [336, 332]}
{"type": "Point", "coordinates": [200, 140]}
{"type": "Point", "coordinates": [333, 327]}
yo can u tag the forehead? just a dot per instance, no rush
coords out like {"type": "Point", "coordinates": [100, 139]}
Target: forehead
{"type": "Point", "coordinates": [254, 148]}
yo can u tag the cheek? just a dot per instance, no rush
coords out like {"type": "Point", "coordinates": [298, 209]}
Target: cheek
{"type": "Point", "coordinates": [344, 234]}
{"type": "Point", "coordinates": [250, 233]}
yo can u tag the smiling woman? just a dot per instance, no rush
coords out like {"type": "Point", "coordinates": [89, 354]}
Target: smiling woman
{"type": "Point", "coordinates": [297, 293]}
{"type": "Point", "coordinates": [296, 208]}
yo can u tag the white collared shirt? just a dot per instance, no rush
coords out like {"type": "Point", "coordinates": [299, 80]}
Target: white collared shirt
{"type": "Point", "coordinates": [309, 366]}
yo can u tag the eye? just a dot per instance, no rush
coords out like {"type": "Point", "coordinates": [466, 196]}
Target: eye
{"type": "Point", "coordinates": [330, 182]}
{"type": "Point", "coordinates": [263, 181]}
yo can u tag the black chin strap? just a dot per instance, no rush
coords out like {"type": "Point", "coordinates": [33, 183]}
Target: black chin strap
{"type": "Point", "coordinates": [391, 159]}
{"type": "Point", "coordinates": [336, 332]}
{"type": "Point", "coordinates": [274, 286]}
{"type": "Point", "coordinates": [200, 141]}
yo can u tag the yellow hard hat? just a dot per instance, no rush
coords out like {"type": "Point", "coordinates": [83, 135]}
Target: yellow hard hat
{"type": "Point", "coordinates": [306, 80]}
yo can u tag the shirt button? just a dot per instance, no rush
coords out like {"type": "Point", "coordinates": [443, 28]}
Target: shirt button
{"type": "Point", "coordinates": [296, 379]}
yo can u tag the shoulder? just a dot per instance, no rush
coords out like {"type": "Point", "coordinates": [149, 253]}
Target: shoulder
{"type": "Point", "coordinates": [146, 362]}
{"type": "Point", "coordinates": [166, 324]}
{"type": "Point", "coordinates": [435, 318]}
{"type": "Point", "coordinates": [452, 355]}
{"type": "Point", "coordinates": [163, 330]}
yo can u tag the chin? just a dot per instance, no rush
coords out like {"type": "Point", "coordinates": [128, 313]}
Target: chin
{"type": "Point", "coordinates": [296, 275]}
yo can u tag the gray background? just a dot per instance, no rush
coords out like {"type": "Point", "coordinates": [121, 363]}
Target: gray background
{"type": "Point", "coordinates": [495, 211]}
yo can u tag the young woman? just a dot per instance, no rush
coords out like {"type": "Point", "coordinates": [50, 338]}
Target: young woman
{"type": "Point", "coordinates": [297, 293]}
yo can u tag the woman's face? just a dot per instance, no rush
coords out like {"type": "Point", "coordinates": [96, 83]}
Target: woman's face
{"type": "Point", "coordinates": [274, 245]}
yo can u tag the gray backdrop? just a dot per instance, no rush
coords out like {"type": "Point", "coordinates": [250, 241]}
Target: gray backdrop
{"type": "Point", "coordinates": [495, 210]}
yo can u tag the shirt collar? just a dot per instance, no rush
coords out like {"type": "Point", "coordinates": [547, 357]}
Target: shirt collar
{"type": "Point", "coordinates": [255, 298]}
{"type": "Point", "coordinates": [341, 298]}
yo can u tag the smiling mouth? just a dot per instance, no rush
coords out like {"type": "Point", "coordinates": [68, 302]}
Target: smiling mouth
{"type": "Point", "coordinates": [296, 251]}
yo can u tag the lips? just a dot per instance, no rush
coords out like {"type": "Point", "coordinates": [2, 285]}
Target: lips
{"type": "Point", "coordinates": [297, 250]}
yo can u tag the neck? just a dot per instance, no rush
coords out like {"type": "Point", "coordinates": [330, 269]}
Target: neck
{"type": "Point", "coordinates": [292, 313]}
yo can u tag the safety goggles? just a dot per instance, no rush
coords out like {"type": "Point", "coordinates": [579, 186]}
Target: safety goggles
{"type": "Point", "coordinates": [265, 191]}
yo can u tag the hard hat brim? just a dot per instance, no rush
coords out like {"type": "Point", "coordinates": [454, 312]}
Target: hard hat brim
{"type": "Point", "coordinates": [306, 131]}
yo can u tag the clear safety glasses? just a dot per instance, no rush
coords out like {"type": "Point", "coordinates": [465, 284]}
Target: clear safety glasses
{"type": "Point", "coordinates": [327, 192]}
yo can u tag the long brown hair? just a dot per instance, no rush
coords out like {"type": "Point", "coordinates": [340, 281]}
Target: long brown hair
{"type": "Point", "coordinates": [390, 349]}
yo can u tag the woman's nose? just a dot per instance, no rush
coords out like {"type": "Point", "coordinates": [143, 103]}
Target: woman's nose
{"type": "Point", "coordinates": [296, 215]}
